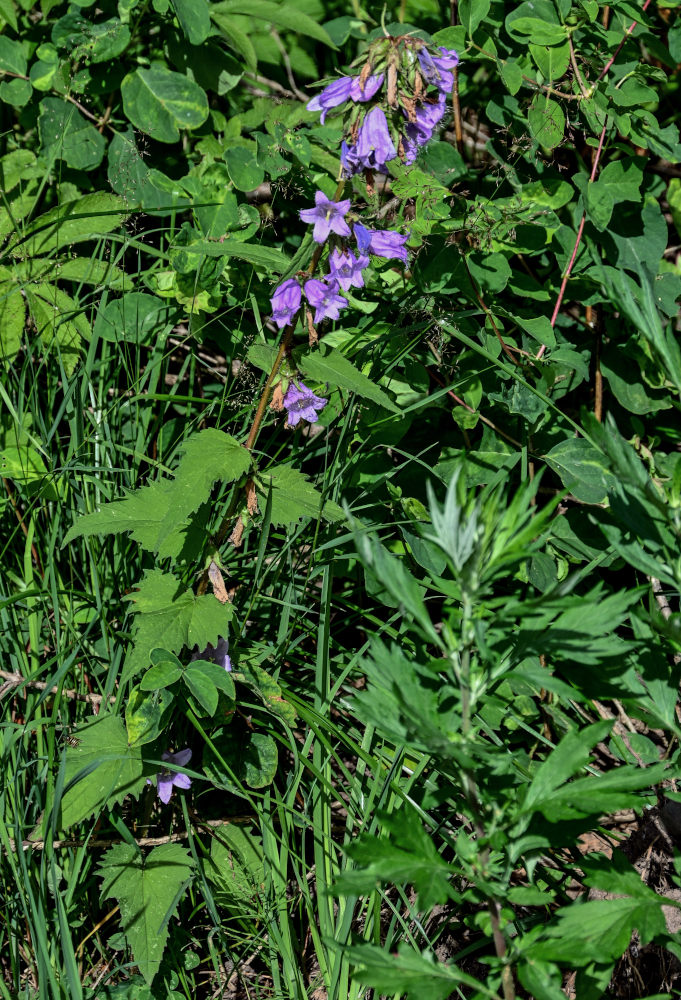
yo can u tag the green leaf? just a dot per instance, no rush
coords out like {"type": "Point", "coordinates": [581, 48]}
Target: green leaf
{"type": "Point", "coordinates": [264, 257]}
{"type": "Point", "coordinates": [160, 102]}
{"type": "Point", "coordinates": [143, 715]}
{"type": "Point", "coordinates": [235, 37]}
{"type": "Point", "coordinates": [293, 496]}
{"type": "Point", "coordinates": [148, 891]}
{"type": "Point", "coordinates": [65, 134]}
{"type": "Point", "coordinates": [329, 365]}
{"type": "Point", "coordinates": [472, 13]}
{"type": "Point", "coordinates": [551, 60]}
{"type": "Point", "coordinates": [156, 515]}
{"type": "Point", "coordinates": [168, 615]}
{"type": "Point", "coordinates": [281, 14]}
{"type": "Point", "coordinates": [268, 690]}
{"type": "Point", "coordinates": [12, 58]}
{"type": "Point", "coordinates": [598, 930]}
{"type": "Point", "coordinates": [60, 323]}
{"type": "Point", "coordinates": [581, 469]}
{"type": "Point", "coordinates": [546, 119]}
{"type": "Point", "coordinates": [135, 318]}
{"type": "Point", "coordinates": [244, 170]}
{"type": "Point", "coordinates": [417, 974]}
{"type": "Point", "coordinates": [216, 674]}
{"type": "Point", "coordinates": [570, 756]}
{"type": "Point", "coordinates": [194, 18]}
{"type": "Point", "coordinates": [161, 675]}
{"type": "Point", "coordinates": [203, 689]}
{"type": "Point", "coordinates": [674, 199]}
{"type": "Point", "coordinates": [12, 320]}
{"type": "Point", "coordinates": [252, 758]}
{"type": "Point", "coordinates": [72, 222]}
{"type": "Point", "coordinates": [101, 770]}
{"type": "Point", "coordinates": [236, 866]}
{"type": "Point", "coordinates": [408, 857]}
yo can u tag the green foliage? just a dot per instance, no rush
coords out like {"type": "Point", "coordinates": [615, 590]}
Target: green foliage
{"type": "Point", "coordinates": [148, 890]}
{"type": "Point", "coordinates": [452, 603]}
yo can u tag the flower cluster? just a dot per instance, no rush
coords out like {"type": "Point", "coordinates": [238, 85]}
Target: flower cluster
{"type": "Point", "coordinates": [416, 79]}
{"type": "Point", "coordinates": [345, 269]}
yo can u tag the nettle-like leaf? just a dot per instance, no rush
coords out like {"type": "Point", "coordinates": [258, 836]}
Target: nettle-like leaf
{"type": "Point", "coordinates": [168, 615]}
{"type": "Point", "coordinates": [148, 890]}
{"type": "Point", "coordinates": [157, 515]}
{"type": "Point", "coordinates": [293, 497]}
{"type": "Point", "coordinates": [409, 856]}
{"type": "Point", "coordinates": [416, 974]}
{"type": "Point", "coordinates": [328, 365]}
{"type": "Point", "coordinates": [100, 770]}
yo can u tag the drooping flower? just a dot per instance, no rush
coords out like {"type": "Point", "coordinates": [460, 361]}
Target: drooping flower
{"type": "Point", "coordinates": [366, 92]}
{"type": "Point", "coordinates": [349, 159]}
{"type": "Point", "coordinates": [302, 404]}
{"type": "Point", "coordinates": [286, 302]}
{"type": "Point", "coordinates": [386, 243]}
{"type": "Point", "coordinates": [435, 69]}
{"type": "Point", "coordinates": [336, 93]}
{"type": "Point", "coordinates": [215, 654]}
{"type": "Point", "coordinates": [347, 269]}
{"type": "Point", "coordinates": [449, 58]}
{"type": "Point", "coordinates": [363, 237]}
{"type": "Point", "coordinates": [419, 132]}
{"type": "Point", "coordinates": [381, 242]}
{"type": "Point", "coordinates": [167, 780]}
{"type": "Point", "coordinates": [323, 295]}
{"type": "Point", "coordinates": [375, 146]}
{"type": "Point", "coordinates": [327, 216]}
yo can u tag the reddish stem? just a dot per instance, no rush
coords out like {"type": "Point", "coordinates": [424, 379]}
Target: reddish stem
{"type": "Point", "coordinates": [594, 168]}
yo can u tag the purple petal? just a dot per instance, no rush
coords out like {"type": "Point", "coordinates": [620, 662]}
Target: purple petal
{"type": "Point", "coordinates": [182, 781]}
{"type": "Point", "coordinates": [164, 788]}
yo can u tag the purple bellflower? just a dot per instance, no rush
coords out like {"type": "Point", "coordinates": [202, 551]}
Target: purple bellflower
{"type": "Point", "coordinates": [349, 159]}
{"type": "Point", "coordinates": [286, 302]}
{"type": "Point", "coordinates": [302, 404]}
{"type": "Point", "coordinates": [167, 780]}
{"type": "Point", "coordinates": [366, 92]}
{"type": "Point", "coordinates": [323, 295]}
{"type": "Point", "coordinates": [363, 237]}
{"type": "Point", "coordinates": [347, 269]}
{"type": "Point", "coordinates": [375, 146]}
{"type": "Point", "coordinates": [386, 243]}
{"type": "Point", "coordinates": [327, 217]}
{"type": "Point", "coordinates": [215, 654]}
{"type": "Point", "coordinates": [449, 58]}
{"type": "Point", "coordinates": [435, 69]}
{"type": "Point", "coordinates": [381, 242]}
{"type": "Point", "coordinates": [333, 95]}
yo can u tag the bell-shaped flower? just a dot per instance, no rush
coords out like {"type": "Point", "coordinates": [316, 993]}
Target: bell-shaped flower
{"type": "Point", "coordinates": [375, 146]}
{"type": "Point", "coordinates": [435, 71]}
{"type": "Point", "coordinates": [327, 216]}
{"type": "Point", "coordinates": [302, 404]}
{"type": "Point", "coordinates": [167, 780]}
{"type": "Point", "coordinates": [381, 242]}
{"type": "Point", "coordinates": [323, 295]}
{"type": "Point", "coordinates": [365, 92]}
{"type": "Point", "coordinates": [347, 269]}
{"type": "Point", "coordinates": [349, 159]}
{"type": "Point", "coordinates": [286, 302]}
{"type": "Point", "coordinates": [336, 93]}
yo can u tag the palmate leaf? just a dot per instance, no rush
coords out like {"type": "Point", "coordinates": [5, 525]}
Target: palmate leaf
{"type": "Point", "coordinates": [103, 769]}
{"type": "Point", "coordinates": [169, 616]}
{"type": "Point", "coordinates": [157, 515]}
{"type": "Point", "coordinates": [148, 891]}
{"type": "Point", "coordinates": [293, 497]}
